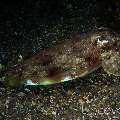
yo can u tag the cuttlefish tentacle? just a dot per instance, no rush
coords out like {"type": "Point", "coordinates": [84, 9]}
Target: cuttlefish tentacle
{"type": "Point", "coordinates": [69, 60]}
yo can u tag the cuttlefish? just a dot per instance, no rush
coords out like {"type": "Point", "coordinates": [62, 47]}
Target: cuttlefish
{"type": "Point", "coordinates": [69, 60]}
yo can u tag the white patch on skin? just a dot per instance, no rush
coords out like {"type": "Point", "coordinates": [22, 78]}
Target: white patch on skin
{"type": "Point", "coordinates": [29, 82]}
{"type": "Point", "coordinates": [102, 43]}
{"type": "Point", "coordinates": [66, 79]}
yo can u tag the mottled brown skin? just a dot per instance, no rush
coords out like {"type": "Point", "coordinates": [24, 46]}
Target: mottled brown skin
{"type": "Point", "coordinates": [75, 58]}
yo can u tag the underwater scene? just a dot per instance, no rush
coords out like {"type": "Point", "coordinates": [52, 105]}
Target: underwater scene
{"type": "Point", "coordinates": [60, 60]}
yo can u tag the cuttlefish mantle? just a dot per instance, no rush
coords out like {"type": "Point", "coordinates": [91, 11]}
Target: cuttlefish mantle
{"type": "Point", "coordinates": [69, 60]}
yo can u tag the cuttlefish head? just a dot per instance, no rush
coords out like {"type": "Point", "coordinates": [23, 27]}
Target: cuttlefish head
{"type": "Point", "coordinates": [109, 45]}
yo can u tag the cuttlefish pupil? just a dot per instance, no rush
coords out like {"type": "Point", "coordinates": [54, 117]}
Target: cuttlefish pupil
{"type": "Point", "coordinates": [69, 60]}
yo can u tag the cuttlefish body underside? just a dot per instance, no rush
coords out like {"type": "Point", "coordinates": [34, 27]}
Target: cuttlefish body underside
{"type": "Point", "coordinates": [69, 60]}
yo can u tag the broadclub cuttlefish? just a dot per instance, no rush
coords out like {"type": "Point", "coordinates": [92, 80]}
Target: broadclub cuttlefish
{"type": "Point", "coordinates": [69, 60]}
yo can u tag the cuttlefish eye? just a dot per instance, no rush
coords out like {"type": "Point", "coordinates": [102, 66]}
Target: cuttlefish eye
{"type": "Point", "coordinates": [104, 40]}
{"type": "Point", "coordinates": [111, 62]}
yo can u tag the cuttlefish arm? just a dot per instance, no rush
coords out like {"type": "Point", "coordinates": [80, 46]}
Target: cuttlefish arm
{"type": "Point", "coordinates": [66, 61]}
